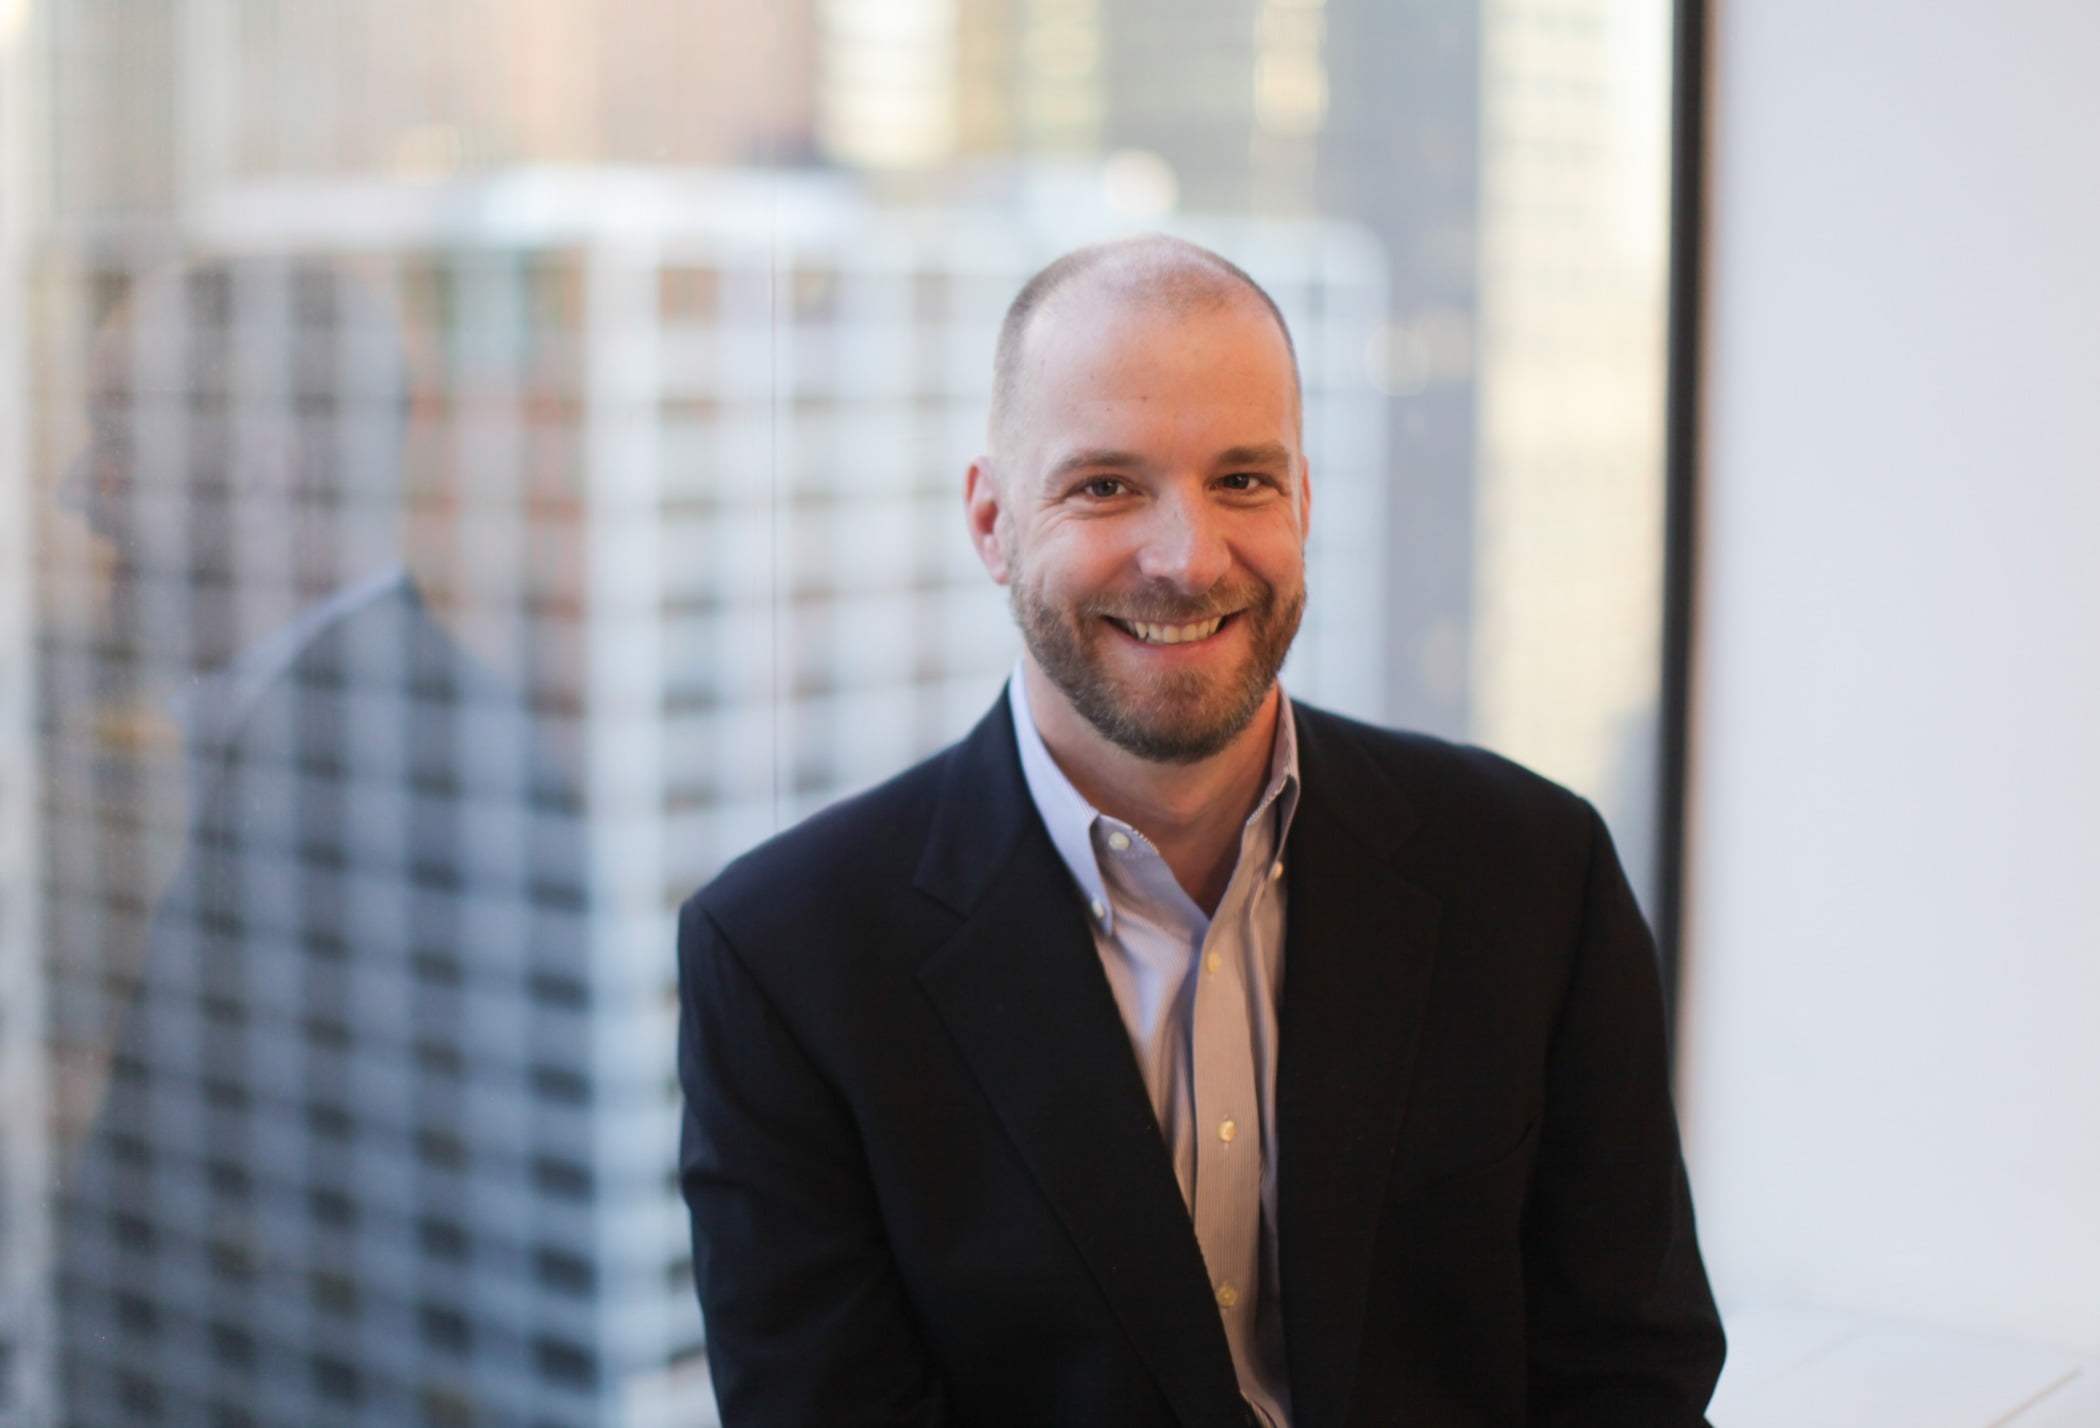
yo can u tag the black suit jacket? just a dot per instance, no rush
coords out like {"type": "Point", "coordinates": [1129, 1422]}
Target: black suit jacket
{"type": "Point", "coordinates": [927, 1186]}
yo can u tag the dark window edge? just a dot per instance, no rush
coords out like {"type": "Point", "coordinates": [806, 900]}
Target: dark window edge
{"type": "Point", "coordinates": [1681, 467]}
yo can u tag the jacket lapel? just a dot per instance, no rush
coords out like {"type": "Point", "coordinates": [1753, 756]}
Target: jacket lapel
{"type": "Point", "coordinates": [1021, 990]}
{"type": "Point", "coordinates": [1359, 947]}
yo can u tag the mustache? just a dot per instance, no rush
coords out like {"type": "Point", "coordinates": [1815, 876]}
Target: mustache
{"type": "Point", "coordinates": [1161, 605]}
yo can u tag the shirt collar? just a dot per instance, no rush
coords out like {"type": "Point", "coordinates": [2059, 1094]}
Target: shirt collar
{"type": "Point", "coordinates": [212, 708]}
{"type": "Point", "coordinates": [1070, 819]}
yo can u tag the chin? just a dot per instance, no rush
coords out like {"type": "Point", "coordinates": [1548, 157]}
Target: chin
{"type": "Point", "coordinates": [1176, 716]}
{"type": "Point", "coordinates": [1183, 725]}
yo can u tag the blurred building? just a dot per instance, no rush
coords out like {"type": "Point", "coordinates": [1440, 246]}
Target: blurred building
{"type": "Point", "coordinates": [316, 911]}
{"type": "Point", "coordinates": [1508, 155]}
{"type": "Point", "coordinates": [699, 302]}
{"type": "Point", "coordinates": [1565, 647]}
{"type": "Point", "coordinates": [1367, 111]}
{"type": "Point", "coordinates": [1511, 159]}
{"type": "Point", "coordinates": [26, 1327]}
{"type": "Point", "coordinates": [156, 104]}
{"type": "Point", "coordinates": [387, 1130]}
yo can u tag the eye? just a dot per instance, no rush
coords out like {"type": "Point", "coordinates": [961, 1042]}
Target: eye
{"type": "Point", "coordinates": [1242, 481]}
{"type": "Point", "coordinates": [1101, 488]}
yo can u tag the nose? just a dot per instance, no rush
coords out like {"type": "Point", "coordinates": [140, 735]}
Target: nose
{"type": "Point", "coordinates": [1186, 545]}
{"type": "Point", "coordinates": [87, 489]}
{"type": "Point", "coordinates": [76, 488]}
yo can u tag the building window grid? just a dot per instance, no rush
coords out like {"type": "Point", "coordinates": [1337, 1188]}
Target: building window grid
{"type": "Point", "coordinates": [874, 359]}
{"type": "Point", "coordinates": [900, 378]}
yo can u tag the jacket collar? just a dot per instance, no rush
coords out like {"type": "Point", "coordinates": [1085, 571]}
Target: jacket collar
{"type": "Point", "coordinates": [1070, 819]}
{"type": "Point", "coordinates": [1360, 945]}
{"type": "Point", "coordinates": [1022, 991]}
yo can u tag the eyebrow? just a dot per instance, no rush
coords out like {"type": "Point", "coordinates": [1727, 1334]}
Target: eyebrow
{"type": "Point", "coordinates": [1266, 454]}
{"type": "Point", "coordinates": [1094, 456]}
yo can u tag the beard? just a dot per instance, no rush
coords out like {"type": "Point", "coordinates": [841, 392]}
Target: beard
{"type": "Point", "coordinates": [1182, 716]}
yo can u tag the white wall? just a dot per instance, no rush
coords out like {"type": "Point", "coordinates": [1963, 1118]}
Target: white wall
{"type": "Point", "coordinates": [1892, 1032]}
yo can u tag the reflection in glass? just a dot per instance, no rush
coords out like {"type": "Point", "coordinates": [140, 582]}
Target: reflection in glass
{"type": "Point", "coordinates": [486, 473]}
{"type": "Point", "coordinates": [341, 1120]}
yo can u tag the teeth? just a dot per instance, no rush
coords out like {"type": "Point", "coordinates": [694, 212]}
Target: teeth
{"type": "Point", "coordinates": [1174, 634]}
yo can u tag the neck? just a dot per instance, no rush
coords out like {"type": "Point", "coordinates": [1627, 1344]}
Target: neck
{"type": "Point", "coordinates": [225, 621]}
{"type": "Point", "coordinates": [1191, 812]}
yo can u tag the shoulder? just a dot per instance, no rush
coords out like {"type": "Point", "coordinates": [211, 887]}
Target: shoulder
{"type": "Point", "coordinates": [860, 850]}
{"type": "Point", "coordinates": [1465, 821]}
{"type": "Point", "coordinates": [1442, 779]}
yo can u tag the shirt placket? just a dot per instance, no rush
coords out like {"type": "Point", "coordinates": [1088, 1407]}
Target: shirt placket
{"type": "Point", "coordinates": [1226, 1106]}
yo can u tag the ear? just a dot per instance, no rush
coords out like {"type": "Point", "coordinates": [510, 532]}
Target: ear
{"type": "Point", "coordinates": [1304, 500]}
{"type": "Point", "coordinates": [985, 511]}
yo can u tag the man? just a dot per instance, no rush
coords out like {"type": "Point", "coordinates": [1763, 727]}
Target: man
{"type": "Point", "coordinates": [1165, 1052]}
{"type": "Point", "coordinates": [275, 1213]}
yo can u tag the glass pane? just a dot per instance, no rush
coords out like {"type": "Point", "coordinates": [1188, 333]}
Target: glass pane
{"type": "Point", "coordinates": [474, 469]}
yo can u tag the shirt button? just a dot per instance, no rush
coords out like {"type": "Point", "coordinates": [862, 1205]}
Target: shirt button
{"type": "Point", "coordinates": [1227, 1129]}
{"type": "Point", "coordinates": [1119, 841]}
{"type": "Point", "coordinates": [1227, 1296]}
{"type": "Point", "coordinates": [1212, 961]}
{"type": "Point", "coordinates": [1098, 909]}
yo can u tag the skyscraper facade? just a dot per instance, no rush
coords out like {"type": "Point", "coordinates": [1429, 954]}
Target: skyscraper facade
{"type": "Point", "coordinates": [476, 478]}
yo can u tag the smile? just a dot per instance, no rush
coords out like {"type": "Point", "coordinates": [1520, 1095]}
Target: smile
{"type": "Point", "coordinates": [1157, 634]}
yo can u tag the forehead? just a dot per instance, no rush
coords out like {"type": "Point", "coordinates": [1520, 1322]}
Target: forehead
{"type": "Point", "coordinates": [1096, 357]}
{"type": "Point", "coordinates": [145, 348]}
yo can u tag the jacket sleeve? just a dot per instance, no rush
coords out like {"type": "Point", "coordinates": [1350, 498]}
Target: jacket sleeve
{"type": "Point", "coordinates": [1622, 1329]}
{"type": "Point", "coordinates": [807, 1320]}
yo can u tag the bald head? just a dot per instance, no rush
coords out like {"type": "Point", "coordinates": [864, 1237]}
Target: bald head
{"type": "Point", "coordinates": [1149, 272]}
{"type": "Point", "coordinates": [248, 418]}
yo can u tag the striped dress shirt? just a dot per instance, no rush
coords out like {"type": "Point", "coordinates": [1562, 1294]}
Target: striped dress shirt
{"type": "Point", "coordinates": [1198, 995]}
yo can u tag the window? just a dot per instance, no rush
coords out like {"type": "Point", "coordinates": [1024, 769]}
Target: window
{"type": "Point", "coordinates": [226, 1013]}
{"type": "Point", "coordinates": [329, 1121]}
{"type": "Point", "coordinates": [563, 1179]}
{"type": "Point", "coordinates": [336, 1380]}
{"type": "Point", "coordinates": [229, 1179]}
{"type": "Point", "coordinates": [231, 1261]}
{"type": "Point", "coordinates": [444, 1240]}
{"type": "Point", "coordinates": [334, 1293]}
{"type": "Point", "coordinates": [600, 376]}
{"type": "Point", "coordinates": [446, 1329]}
{"type": "Point", "coordinates": [446, 1406]}
{"type": "Point", "coordinates": [437, 1058]}
{"type": "Point", "coordinates": [137, 1316]}
{"type": "Point", "coordinates": [328, 1032]}
{"type": "Point", "coordinates": [554, 990]}
{"type": "Point", "coordinates": [226, 1096]}
{"type": "Point", "coordinates": [140, 1396]}
{"type": "Point", "coordinates": [233, 1346]}
{"type": "Point", "coordinates": [332, 1208]}
{"type": "Point", "coordinates": [561, 1085]}
{"type": "Point", "coordinates": [569, 1365]}
{"type": "Point", "coordinates": [441, 1150]}
{"type": "Point", "coordinates": [678, 1274]}
{"type": "Point", "coordinates": [567, 1272]}
{"type": "Point", "coordinates": [438, 969]}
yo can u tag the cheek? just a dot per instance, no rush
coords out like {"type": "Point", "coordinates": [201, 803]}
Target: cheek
{"type": "Point", "coordinates": [1068, 565]}
{"type": "Point", "coordinates": [1270, 569]}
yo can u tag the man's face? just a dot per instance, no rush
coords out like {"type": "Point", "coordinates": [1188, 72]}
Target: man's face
{"type": "Point", "coordinates": [1151, 506]}
{"type": "Point", "coordinates": [138, 485]}
{"type": "Point", "coordinates": [186, 482]}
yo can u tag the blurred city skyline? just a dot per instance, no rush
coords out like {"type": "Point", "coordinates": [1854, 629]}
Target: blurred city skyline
{"type": "Point", "coordinates": [696, 304]}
